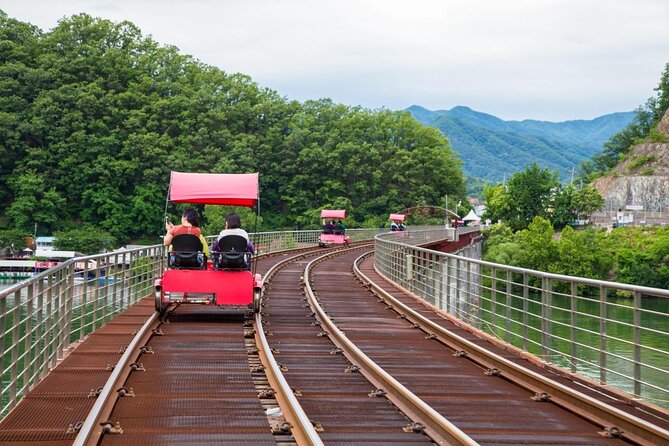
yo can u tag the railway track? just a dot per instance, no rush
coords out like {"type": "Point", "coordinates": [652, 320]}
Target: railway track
{"type": "Point", "coordinates": [334, 357]}
{"type": "Point", "coordinates": [489, 395]}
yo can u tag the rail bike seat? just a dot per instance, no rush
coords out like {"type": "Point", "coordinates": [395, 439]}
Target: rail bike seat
{"type": "Point", "coordinates": [187, 253]}
{"type": "Point", "coordinates": [232, 254]}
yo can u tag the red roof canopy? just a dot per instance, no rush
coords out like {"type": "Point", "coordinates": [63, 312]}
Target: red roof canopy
{"type": "Point", "coordinates": [397, 217]}
{"type": "Point", "coordinates": [325, 213]}
{"type": "Point", "coordinates": [230, 189]}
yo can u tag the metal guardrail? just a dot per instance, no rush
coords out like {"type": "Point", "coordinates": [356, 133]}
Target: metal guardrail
{"type": "Point", "coordinates": [42, 317]}
{"type": "Point", "coordinates": [613, 332]}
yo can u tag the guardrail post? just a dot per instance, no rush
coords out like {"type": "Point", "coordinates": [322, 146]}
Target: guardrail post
{"type": "Point", "coordinates": [493, 299]}
{"type": "Point", "coordinates": [572, 328]}
{"type": "Point", "coordinates": [28, 345]}
{"type": "Point", "coordinates": [409, 267]}
{"type": "Point", "coordinates": [602, 335]}
{"type": "Point", "coordinates": [507, 312]}
{"type": "Point", "coordinates": [546, 302]}
{"type": "Point", "coordinates": [526, 309]}
{"type": "Point", "coordinates": [470, 295]}
{"type": "Point", "coordinates": [69, 302]}
{"type": "Point", "coordinates": [16, 335]}
{"type": "Point", "coordinates": [637, 343]}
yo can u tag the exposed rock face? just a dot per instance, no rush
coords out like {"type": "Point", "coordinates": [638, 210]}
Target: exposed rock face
{"type": "Point", "coordinates": [663, 126]}
{"type": "Point", "coordinates": [642, 179]}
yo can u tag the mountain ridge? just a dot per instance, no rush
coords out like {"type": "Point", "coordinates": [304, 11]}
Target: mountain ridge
{"type": "Point", "coordinates": [492, 148]}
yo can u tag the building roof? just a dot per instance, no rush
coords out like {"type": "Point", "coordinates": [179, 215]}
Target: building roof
{"type": "Point", "coordinates": [471, 216]}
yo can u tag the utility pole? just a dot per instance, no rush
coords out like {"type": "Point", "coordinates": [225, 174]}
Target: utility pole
{"type": "Point", "coordinates": [572, 175]}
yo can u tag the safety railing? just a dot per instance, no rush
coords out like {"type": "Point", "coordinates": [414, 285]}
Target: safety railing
{"type": "Point", "coordinates": [612, 332]}
{"type": "Point", "coordinates": [41, 317]}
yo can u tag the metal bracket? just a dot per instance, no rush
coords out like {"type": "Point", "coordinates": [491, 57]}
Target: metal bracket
{"type": "Point", "coordinates": [541, 396]}
{"type": "Point", "coordinates": [74, 428]}
{"type": "Point", "coordinates": [352, 369]}
{"type": "Point", "coordinates": [266, 393]}
{"type": "Point", "coordinates": [109, 427]}
{"type": "Point", "coordinates": [281, 428]}
{"type": "Point", "coordinates": [123, 391]}
{"type": "Point", "coordinates": [493, 372]}
{"type": "Point", "coordinates": [611, 432]}
{"type": "Point", "coordinates": [95, 392]}
{"type": "Point", "coordinates": [137, 367]}
{"type": "Point", "coordinates": [378, 393]}
{"type": "Point", "coordinates": [414, 427]}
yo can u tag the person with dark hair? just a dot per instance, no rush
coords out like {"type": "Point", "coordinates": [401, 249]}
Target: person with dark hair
{"type": "Point", "coordinates": [340, 228]}
{"type": "Point", "coordinates": [190, 224]}
{"type": "Point", "coordinates": [232, 227]}
{"type": "Point", "coordinates": [329, 227]}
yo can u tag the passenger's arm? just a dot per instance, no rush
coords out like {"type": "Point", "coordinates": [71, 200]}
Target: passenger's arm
{"type": "Point", "coordinates": [205, 247]}
{"type": "Point", "coordinates": [167, 240]}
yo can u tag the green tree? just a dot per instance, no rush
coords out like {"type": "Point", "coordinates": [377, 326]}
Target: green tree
{"type": "Point", "coordinates": [13, 240]}
{"type": "Point", "coordinates": [575, 204]}
{"type": "Point", "coordinates": [86, 240]}
{"type": "Point", "coordinates": [34, 202]}
{"type": "Point", "coordinates": [538, 245]}
{"type": "Point", "coordinates": [528, 194]}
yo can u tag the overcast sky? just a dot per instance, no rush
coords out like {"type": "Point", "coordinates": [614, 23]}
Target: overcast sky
{"type": "Point", "coordinates": [517, 59]}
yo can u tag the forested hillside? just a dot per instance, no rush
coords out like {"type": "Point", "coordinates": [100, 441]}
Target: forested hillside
{"type": "Point", "coordinates": [94, 115]}
{"type": "Point", "coordinates": [491, 147]}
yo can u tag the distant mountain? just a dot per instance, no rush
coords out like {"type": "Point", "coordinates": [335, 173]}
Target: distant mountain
{"type": "Point", "coordinates": [491, 148]}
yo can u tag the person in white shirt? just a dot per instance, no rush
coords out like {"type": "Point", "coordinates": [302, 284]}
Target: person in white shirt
{"type": "Point", "coordinates": [232, 227]}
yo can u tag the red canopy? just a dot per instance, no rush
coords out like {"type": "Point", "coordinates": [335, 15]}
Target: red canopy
{"type": "Point", "coordinates": [230, 189]}
{"type": "Point", "coordinates": [325, 213]}
{"type": "Point", "coordinates": [397, 217]}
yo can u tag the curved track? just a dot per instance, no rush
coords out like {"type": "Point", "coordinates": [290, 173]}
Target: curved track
{"type": "Point", "coordinates": [486, 404]}
{"type": "Point", "coordinates": [203, 378]}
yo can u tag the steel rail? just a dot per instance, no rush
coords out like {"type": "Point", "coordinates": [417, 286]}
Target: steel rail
{"type": "Point", "coordinates": [435, 425]}
{"type": "Point", "coordinates": [97, 422]}
{"type": "Point", "coordinates": [614, 421]}
{"type": "Point", "coordinates": [301, 427]}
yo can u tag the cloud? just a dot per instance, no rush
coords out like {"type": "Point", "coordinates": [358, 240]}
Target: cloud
{"type": "Point", "coordinates": [517, 59]}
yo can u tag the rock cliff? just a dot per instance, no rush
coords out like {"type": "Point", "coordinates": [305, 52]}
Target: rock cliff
{"type": "Point", "coordinates": [643, 178]}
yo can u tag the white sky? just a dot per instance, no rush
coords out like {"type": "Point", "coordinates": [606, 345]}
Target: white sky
{"type": "Point", "coordinates": [539, 59]}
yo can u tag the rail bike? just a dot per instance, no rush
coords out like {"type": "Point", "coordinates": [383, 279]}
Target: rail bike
{"type": "Point", "coordinates": [226, 279]}
{"type": "Point", "coordinates": [332, 235]}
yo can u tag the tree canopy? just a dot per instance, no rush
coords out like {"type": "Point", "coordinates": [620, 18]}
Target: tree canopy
{"type": "Point", "coordinates": [94, 116]}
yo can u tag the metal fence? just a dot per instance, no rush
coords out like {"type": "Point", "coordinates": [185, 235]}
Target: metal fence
{"type": "Point", "coordinates": [614, 333]}
{"type": "Point", "coordinates": [41, 317]}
